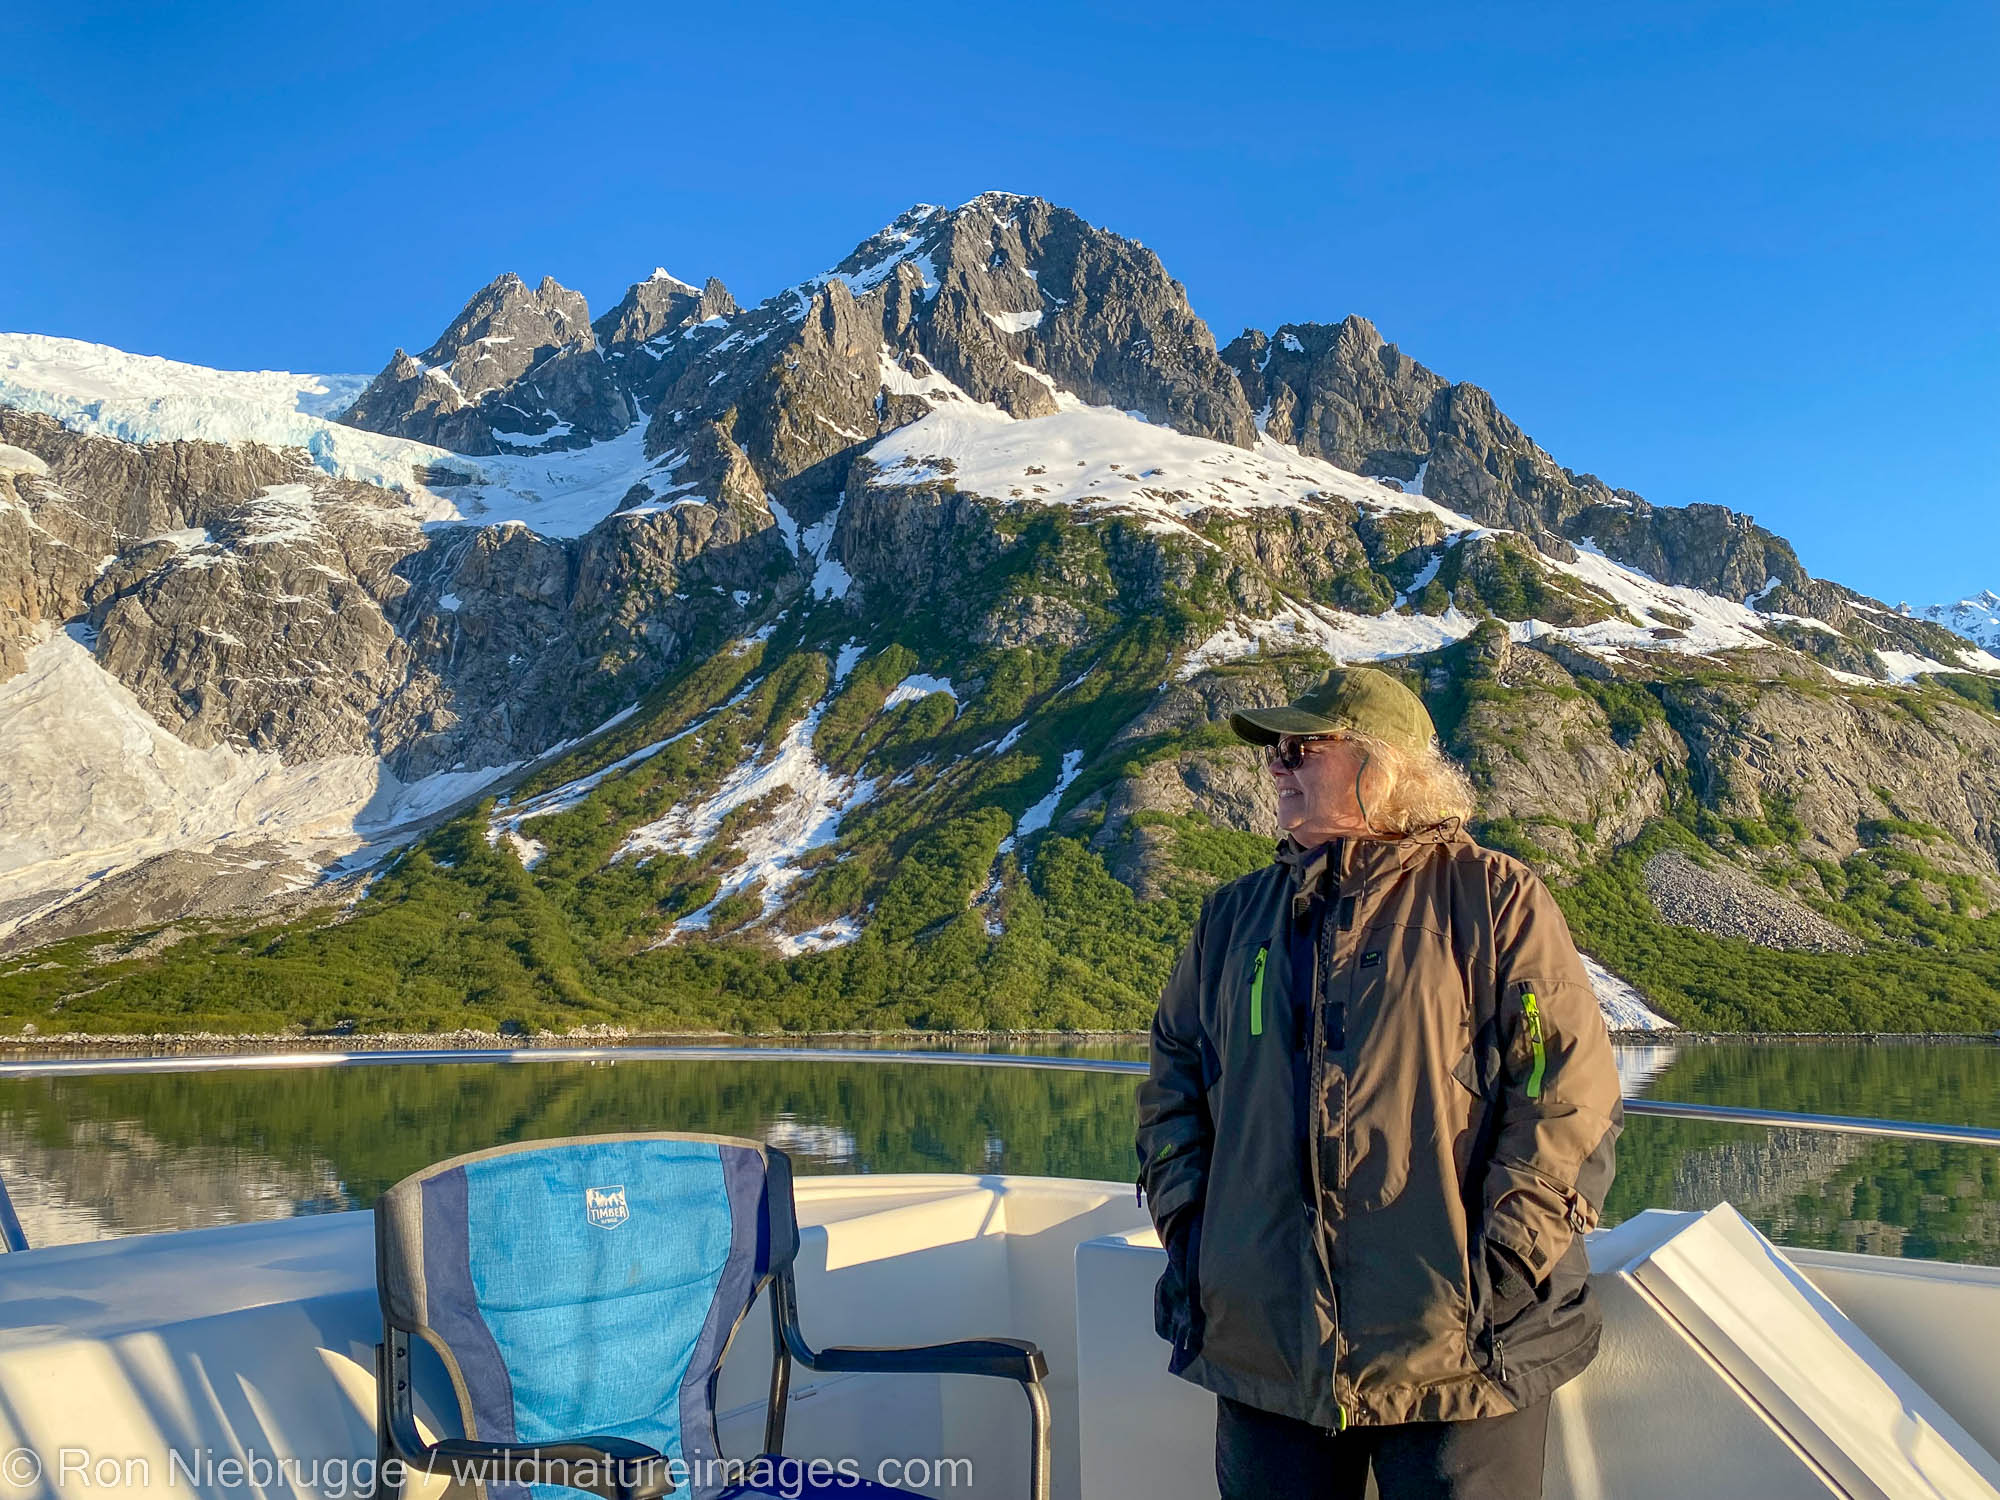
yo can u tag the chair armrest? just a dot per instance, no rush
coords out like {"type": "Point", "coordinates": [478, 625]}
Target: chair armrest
{"type": "Point", "coordinates": [610, 1467]}
{"type": "Point", "coordinates": [1012, 1359]}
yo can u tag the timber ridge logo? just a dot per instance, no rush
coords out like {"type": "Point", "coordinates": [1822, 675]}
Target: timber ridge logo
{"type": "Point", "coordinates": [605, 1207]}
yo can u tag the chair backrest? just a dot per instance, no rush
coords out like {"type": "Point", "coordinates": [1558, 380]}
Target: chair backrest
{"type": "Point", "coordinates": [587, 1286]}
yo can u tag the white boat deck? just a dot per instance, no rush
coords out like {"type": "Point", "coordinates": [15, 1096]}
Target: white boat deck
{"type": "Point", "coordinates": [1728, 1369]}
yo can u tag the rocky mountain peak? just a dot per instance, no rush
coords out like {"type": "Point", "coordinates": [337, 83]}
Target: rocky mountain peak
{"type": "Point", "coordinates": [1094, 311]}
{"type": "Point", "coordinates": [514, 323]}
{"type": "Point", "coordinates": [656, 308]}
{"type": "Point", "coordinates": [1006, 300]}
{"type": "Point", "coordinates": [516, 369]}
{"type": "Point", "coordinates": [1020, 298]}
{"type": "Point", "coordinates": [1976, 618]}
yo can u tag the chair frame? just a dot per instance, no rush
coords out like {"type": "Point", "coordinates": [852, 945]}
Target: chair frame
{"type": "Point", "coordinates": [621, 1469]}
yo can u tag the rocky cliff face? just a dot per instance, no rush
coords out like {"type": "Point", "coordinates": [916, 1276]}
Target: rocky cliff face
{"type": "Point", "coordinates": [976, 529]}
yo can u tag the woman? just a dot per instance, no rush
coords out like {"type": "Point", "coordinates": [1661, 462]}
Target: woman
{"type": "Point", "coordinates": [1379, 1118]}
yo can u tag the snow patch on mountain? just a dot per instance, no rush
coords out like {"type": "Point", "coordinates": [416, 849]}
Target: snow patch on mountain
{"type": "Point", "coordinates": [1036, 818]}
{"type": "Point", "coordinates": [1015, 322]}
{"type": "Point", "coordinates": [1624, 1008]}
{"type": "Point", "coordinates": [1713, 623]}
{"type": "Point", "coordinates": [918, 685]}
{"type": "Point", "coordinates": [1342, 636]}
{"type": "Point", "coordinates": [830, 579]}
{"type": "Point", "coordinates": [1096, 458]}
{"type": "Point", "coordinates": [20, 461]}
{"type": "Point", "coordinates": [1907, 666]}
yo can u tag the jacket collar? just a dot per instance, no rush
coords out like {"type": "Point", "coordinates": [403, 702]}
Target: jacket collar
{"type": "Point", "coordinates": [1348, 862]}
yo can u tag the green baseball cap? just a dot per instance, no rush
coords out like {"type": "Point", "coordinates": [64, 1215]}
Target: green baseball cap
{"type": "Point", "coordinates": [1357, 699]}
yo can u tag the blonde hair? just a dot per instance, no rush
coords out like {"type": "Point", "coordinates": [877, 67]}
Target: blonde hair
{"type": "Point", "coordinates": [1423, 789]}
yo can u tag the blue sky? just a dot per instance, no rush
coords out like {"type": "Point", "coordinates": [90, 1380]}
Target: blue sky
{"type": "Point", "coordinates": [1727, 253]}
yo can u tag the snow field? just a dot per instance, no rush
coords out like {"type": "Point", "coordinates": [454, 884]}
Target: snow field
{"type": "Point", "coordinates": [1098, 459]}
{"type": "Point", "coordinates": [1342, 636]}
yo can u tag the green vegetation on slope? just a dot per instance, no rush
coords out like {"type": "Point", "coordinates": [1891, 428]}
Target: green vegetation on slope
{"type": "Point", "coordinates": [959, 928]}
{"type": "Point", "coordinates": [1926, 969]}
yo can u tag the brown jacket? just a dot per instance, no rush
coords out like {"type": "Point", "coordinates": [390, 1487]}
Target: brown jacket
{"type": "Point", "coordinates": [1375, 1061]}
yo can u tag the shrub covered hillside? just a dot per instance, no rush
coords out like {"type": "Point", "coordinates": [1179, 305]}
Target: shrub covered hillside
{"type": "Point", "coordinates": [884, 637]}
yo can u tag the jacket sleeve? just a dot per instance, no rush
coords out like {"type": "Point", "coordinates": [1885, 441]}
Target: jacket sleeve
{"type": "Point", "coordinates": [1175, 1132]}
{"type": "Point", "coordinates": [1560, 1108]}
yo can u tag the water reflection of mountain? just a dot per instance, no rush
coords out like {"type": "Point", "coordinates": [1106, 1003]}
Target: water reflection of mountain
{"type": "Point", "coordinates": [233, 1145]}
{"type": "Point", "coordinates": [1640, 1067]}
{"type": "Point", "coordinates": [113, 1178]}
{"type": "Point", "coordinates": [85, 1157]}
{"type": "Point", "coordinates": [1764, 1173]}
{"type": "Point", "coordinates": [1809, 1188]}
{"type": "Point", "coordinates": [1832, 1192]}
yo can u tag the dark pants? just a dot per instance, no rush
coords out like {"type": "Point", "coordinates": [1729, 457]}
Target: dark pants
{"type": "Point", "coordinates": [1262, 1456]}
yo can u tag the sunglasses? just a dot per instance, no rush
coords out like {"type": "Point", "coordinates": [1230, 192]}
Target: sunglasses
{"type": "Point", "coordinates": [1291, 752]}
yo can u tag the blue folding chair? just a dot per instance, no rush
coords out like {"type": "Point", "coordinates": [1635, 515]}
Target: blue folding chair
{"type": "Point", "coordinates": [582, 1294]}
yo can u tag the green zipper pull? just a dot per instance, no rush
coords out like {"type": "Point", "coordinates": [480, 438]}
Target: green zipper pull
{"type": "Point", "coordinates": [1533, 1012]}
{"type": "Point", "coordinates": [1257, 992]}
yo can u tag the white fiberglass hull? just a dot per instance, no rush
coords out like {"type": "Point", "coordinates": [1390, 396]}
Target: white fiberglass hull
{"type": "Point", "coordinates": [238, 1361]}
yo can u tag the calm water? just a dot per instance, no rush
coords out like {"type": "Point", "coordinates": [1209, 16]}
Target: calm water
{"type": "Point", "coordinates": [87, 1158]}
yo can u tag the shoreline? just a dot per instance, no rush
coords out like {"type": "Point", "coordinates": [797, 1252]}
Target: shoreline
{"type": "Point", "coordinates": [611, 1041]}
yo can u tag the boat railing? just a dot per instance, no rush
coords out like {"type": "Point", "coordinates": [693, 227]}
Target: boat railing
{"type": "Point", "coordinates": [13, 1239]}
